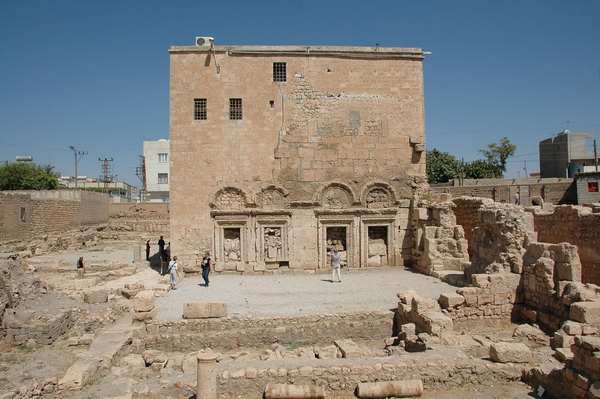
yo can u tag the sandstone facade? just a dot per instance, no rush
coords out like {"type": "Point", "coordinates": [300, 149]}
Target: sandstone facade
{"type": "Point", "coordinates": [330, 157]}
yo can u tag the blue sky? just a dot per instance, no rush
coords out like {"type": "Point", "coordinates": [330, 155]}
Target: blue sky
{"type": "Point", "coordinates": [95, 74]}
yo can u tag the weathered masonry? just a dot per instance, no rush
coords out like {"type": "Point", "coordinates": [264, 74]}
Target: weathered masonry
{"type": "Point", "coordinates": [280, 153]}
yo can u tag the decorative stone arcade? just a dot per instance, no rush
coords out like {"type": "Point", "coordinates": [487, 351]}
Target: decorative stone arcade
{"type": "Point", "coordinates": [270, 232]}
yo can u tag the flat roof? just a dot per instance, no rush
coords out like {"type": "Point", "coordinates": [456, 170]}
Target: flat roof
{"type": "Point", "coordinates": [307, 50]}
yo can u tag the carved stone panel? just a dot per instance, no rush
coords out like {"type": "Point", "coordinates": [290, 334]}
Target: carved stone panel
{"type": "Point", "coordinates": [273, 244]}
{"type": "Point", "coordinates": [230, 198]}
{"type": "Point", "coordinates": [271, 198]}
{"type": "Point", "coordinates": [378, 197]}
{"type": "Point", "coordinates": [335, 197]}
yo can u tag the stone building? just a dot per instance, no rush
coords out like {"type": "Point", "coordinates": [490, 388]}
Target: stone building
{"type": "Point", "coordinates": [280, 153]}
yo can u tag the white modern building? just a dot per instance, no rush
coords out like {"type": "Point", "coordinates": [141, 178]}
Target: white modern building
{"type": "Point", "coordinates": [156, 170]}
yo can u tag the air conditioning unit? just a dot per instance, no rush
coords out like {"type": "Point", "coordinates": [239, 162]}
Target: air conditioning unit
{"type": "Point", "coordinates": [204, 41]}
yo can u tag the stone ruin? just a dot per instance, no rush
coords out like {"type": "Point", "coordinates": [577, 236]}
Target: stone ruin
{"type": "Point", "coordinates": [522, 311]}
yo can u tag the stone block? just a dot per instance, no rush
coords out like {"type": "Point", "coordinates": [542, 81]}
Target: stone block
{"type": "Point", "coordinates": [133, 361]}
{"type": "Point", "coordinates": [450, 300]}
{"type": "Point", "coordinates": [436, 322]}
{"type": "Point", "coordinates": [562, 340]}
{"type": "Point", "coordinates": [97, 296]}
{"type": "Point", "coordinates": [572, 327]}
{"type": "Point", "coordinates": [585, 312]}
{"type": "Point", "coordinates": [588, 342]}
{"type": "Point", "coordinates": [152, 356]}
{"type": "Point", "coordinates": [510, 352]}
{"type": "Point", "coordinates": [421, 305]}
{"type": "Point", "coordinates": [143, 316]}
{"type": "Point", "coordinates": [414, 344]}
{"type": "Point", "coordinates": [204, 310]}
{"type": "Point", "coordinates": [83, 372]}
{"type": "Point", "coordinates": [349, 348]}
{"type": "Point", "coordinates": [143, 305]}
{"type": "Point", "coordinates": [407, 329]}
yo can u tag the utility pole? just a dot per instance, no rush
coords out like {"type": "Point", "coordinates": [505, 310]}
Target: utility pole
{"type": "Point", "coordinates": [78, 155]}
{"type": "Point", "coordinates": [595, 156]}
{"type": "Point", "coordinates": [105, 171]}
{"type": "Point", "coordinates": [140, 172]}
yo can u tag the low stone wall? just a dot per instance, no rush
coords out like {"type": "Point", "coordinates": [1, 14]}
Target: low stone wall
{"type": "Point", "coordinates": [27, 214]}
{"type": "Point", "coordinates": [231, 333]}
{"type": "Point", "coordinates": [552, 193]}
{"type": "Point", "coordinates": [493, 296]}
{"type": "Point", "coordinates": [579, 226]}
{"type": "Point", "coordinates": [153, 210]}
{"type": "Point", "coordinates": [438, 369]}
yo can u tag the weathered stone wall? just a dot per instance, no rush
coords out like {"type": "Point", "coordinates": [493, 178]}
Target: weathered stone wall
{"type": "Point", "coordinates": [12, 225]}
{"type": "Point", "coordinates": [49, 211]}
{"type": "Point", "coordinates": [229, 333]}
{"type": "Point", "coordinates": [440, 243]}
{"type": "Point", "coordinates": [552, 193]}
{"type": "Point", "coordinates": [497, 234]}
{"type": "Point", "coordinates": [345, 132]}
{"type": "Point", "coordinates": [152, 210]}
{"type": "Point", "coordinates": [578, 226]}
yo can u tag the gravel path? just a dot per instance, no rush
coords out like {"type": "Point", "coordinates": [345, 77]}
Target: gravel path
{"type": "Point", "coordinates": [301, 294]}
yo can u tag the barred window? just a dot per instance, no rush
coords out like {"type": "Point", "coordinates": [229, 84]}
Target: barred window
{"type": "Point", "coordinates": [163, 157]}
{"type": "Point", "coordinates": [200, 109]}
{"type": "Point", "coordinates": [279, 72]}
{"type": "Point", "coordinates": [235, 108]}
{"type": "Point", "coordinates": [163, 178]}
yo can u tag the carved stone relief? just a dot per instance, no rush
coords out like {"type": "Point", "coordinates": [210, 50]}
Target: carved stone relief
{"type": "Point", "coordinates": [272, 243]}
{"type": "Point", "coordinates": [271, 198]}
{"type": "Point", "coordinates": [378, 198]}
{"type": "Point", "coordinates": [230, 199]}
{"type": "Point", "coordinates": [232, 245]}
{"type": "Point", "coordinates": [335, 197]}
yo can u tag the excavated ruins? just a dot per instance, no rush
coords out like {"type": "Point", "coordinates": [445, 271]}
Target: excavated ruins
{"type": "Point", "coordinates": [518, 316]}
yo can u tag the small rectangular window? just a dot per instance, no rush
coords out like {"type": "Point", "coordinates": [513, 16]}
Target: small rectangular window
{"type": "Point", "coordinates": [279, 72]}
{"type": "Point", "coordinates": [235, 108]}
{"type": "Point", "coordinates": [200, 109]}
{"type": "Point", "coordinates": [592, 187]}
{"type": "Point", "coordinates": [163, 178]}
{"type": "Point", "coordinates": [22, 215]}
{"type": "Point", "coordinates": [163, 157]}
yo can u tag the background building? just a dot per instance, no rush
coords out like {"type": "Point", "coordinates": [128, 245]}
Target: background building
{"type": "Point", "coordinates": [119, 191]}
{"type": "Point", "coordinates": [587, 188]}
{"type": "Point", "coordinates": [565, 154]}
{"type": "Point", "coordinates": [281, 153]}
{"type": "Point", "coordinates": [157, 175]}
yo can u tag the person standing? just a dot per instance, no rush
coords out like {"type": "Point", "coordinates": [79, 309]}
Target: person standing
{"type": "Point", "coordinates": [80, 267]}
{"type": "Point", "coordinates": [206, 265]}
{"type": "Point", "coordinates": [148, 250]}
{"type": "Point", "coordinates": [517, 198]}
{"type": "Point", "coordinates": [161, 248]}
{"type": "Point", "coordinates": [336, 265]}
{"type": "Point", "coordinates": [173, 272]}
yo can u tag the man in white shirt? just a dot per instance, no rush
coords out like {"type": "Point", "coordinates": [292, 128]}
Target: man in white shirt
{"type": "Point", "coordinates": [173, 272]}
{"type": "Point", "coordinates": [336, 265]}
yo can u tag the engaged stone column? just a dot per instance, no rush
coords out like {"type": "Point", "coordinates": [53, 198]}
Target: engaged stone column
{"type": "Point", "coordinates": [207, 375]}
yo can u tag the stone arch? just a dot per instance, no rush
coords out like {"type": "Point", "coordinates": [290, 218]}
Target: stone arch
{"type": "Point", "coordinates": [336, 195]}
{"type": "Point", "coordinates": [230, 198]}
{"type": "Point", "coordinates": [378, 194]}
{"type": "Point", "coordinates": [272, 196]}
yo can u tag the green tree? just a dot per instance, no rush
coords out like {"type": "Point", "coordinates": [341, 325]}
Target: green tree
{"type": "Point", "coordinates": [27, 176]}
{"type": "Point", "coordinates": [481, 169]}
{"type": "Point", "coordinates": [498, 153]}
{"type": "Point", "coordinates": [441, 166]}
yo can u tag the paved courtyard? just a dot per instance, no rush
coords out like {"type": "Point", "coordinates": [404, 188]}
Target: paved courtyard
{"type": "Point", "coordinates": [301, 294]}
